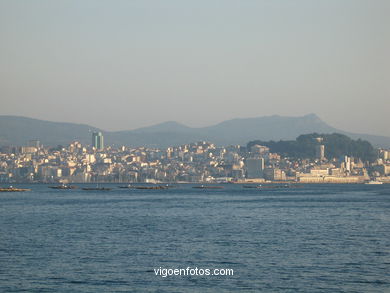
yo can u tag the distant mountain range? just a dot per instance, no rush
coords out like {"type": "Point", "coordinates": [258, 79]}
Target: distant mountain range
{"type": "Point", "coordinates": [18, 131]}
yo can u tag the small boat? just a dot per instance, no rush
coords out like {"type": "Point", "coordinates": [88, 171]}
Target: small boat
{"type": "Point", "coordinates": [127, 186]}
{"type": "Point", "coordinates": [63, 186]}
{"type": "Point", "coordinates": [97, 188]}
{"type": "Point", "coordinates": [272, 186]}
{"type": "Point", "coordinates": [261, 186]}
{"type": "Point", "coordinates": [280, 186]}
{"type": "Point", "coordinates": [13, 189]}
{"type": "Point", "coordinates": [251, 186]}
{"type": "Point", "coordinates": [373, 182]}
{"type": "Point", "coordinates": [152, 187]}
{"type": "Point", "coordinates": [208, 187]}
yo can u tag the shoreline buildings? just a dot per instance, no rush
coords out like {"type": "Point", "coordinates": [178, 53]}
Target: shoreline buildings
{"type": "Point", "coordinates": [196, 162]}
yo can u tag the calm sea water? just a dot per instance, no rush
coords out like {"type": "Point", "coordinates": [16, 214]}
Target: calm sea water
{"type": "Point", "coordinates": [319, 238]}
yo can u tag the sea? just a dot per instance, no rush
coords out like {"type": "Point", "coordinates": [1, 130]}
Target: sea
{"type": "Point", "coordinates": [313, 238]}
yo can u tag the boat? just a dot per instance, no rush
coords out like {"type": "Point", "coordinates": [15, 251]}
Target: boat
{"type": "Point", "coordinates": [13, 189]}
{"type": "Point", "coordinates": [207, 187]}
{"type": "Point", "coordinates": [280, 186]}
{"type": "Point", "coordinates": [251, 186]}
{"type": "Point", "coordinates": [152, 187]}
{"type": "Point", "coordinates": [97, 188]}
{"type": "Point", "coordinates": [127, 186]}
{"type": "Point", "coordinates": [262, 186]}
{"type": "Point", "coordinates": [63, 186]}
{"type": "Point", "coordinates": [373, 182]}
{"type": "Point", "coordinates": [272, 186]}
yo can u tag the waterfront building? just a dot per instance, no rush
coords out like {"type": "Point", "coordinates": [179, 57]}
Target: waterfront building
{"type": "Point", "coordinates": [346, 164]}
{"type": "Point", "coordinates": [254, 167]}
{"type": "Point", "coordinates": [274, 174]}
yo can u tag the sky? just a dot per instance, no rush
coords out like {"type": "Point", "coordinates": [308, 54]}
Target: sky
{"type": "Point", "coordinates": [120, 65]}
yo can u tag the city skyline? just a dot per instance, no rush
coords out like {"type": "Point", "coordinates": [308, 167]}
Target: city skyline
{"type": "Point", "coordinates": [346, 161]}
{"type": "Point", "coordinates": [131, 64]}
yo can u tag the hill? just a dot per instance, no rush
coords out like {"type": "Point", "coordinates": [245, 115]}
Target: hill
{"type": "Point", "coordinates": [16, 130]}
{"type": "Point", "coordinates": [336, 145]}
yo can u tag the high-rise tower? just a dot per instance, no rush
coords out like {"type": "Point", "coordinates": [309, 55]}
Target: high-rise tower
{"type": "Point", "coordinates": [320, 152]}
{"type": "Point", "coordinates": [254, 167]}
{"type": "Point", "coordinates": [97, 140]}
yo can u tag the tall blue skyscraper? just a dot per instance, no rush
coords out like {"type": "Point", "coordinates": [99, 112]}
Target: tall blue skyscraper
{"type": "Point", "coordinates": [97, 140]}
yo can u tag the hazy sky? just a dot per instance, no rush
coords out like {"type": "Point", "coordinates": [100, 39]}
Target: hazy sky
{"type": "Point", "coordinates": [125, 64]}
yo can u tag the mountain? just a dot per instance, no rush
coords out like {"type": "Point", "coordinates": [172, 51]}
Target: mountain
{"type": "Point", "coordinates": [15, 130]}
{"type": "Point", "coordinates": [19, 130]}
{"type": "Point", "coordinates": [169, 126]}
{"type": "Point", "coordinates": [269, 127]}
